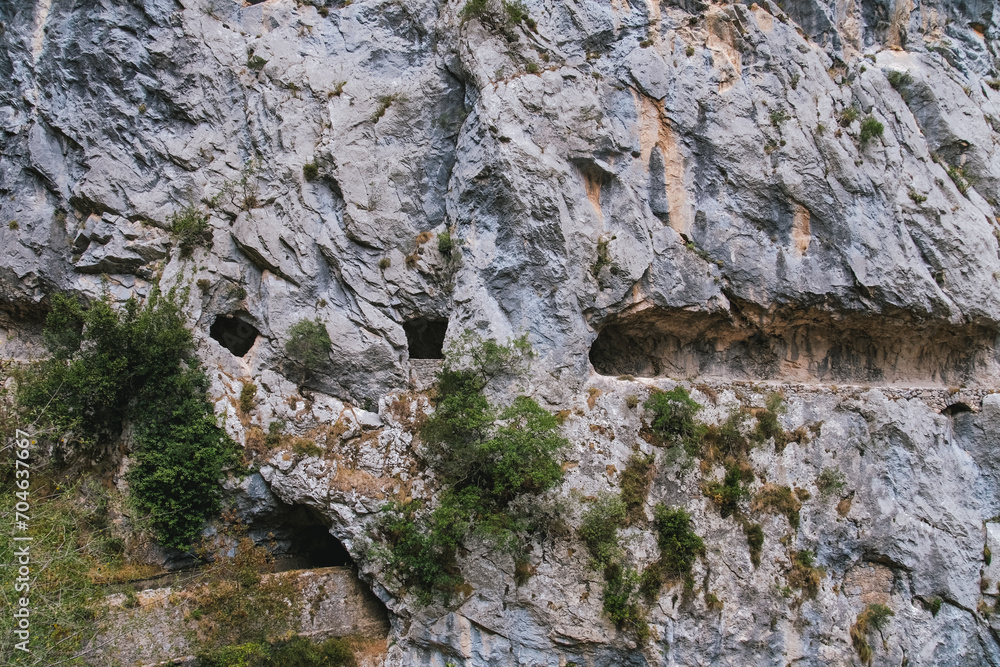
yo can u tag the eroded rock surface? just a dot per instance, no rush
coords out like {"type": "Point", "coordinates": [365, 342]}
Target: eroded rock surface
{"type": "Point", "coordinates": [677, 189]}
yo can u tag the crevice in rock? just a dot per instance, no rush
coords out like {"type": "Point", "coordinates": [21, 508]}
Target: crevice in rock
{"type": "Point", "coordinates": [804, 345]}
{"type": "Point", "coordinates": [956, 409]}
{"type": "Point", "coordinates": [425, 338]}
{"type": "Point", "coordinates": [234, 334]}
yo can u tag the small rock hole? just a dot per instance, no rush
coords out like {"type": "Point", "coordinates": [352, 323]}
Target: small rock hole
{"type": "Point", "coordinates": [425, 338]}
{"type": "Point", "coordinates": [234, 334]}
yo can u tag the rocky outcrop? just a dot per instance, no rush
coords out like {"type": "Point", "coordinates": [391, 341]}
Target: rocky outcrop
{"type": "Point", "coordinates": [796, 193]}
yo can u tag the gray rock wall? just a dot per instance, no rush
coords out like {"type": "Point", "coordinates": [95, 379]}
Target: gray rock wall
{"type": "Point", "coordinates": [678, 189]}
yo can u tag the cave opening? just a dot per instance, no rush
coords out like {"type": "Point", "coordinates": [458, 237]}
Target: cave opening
{"type": "Point", "coordinates": [956, 409]}
{"type": "Point", "coordinates": [813, 346]}
{"type": "Point", "coordinates": [425, 338]}
{"type": "Point", "coordinates": [234, 334]}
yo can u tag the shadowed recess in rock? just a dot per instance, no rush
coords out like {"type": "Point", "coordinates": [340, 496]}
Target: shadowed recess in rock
{"type": "Point", "coordinates": [806, 346]}
{"type": "Point", "coordinates": [425, 338]}
{"type": "Point", "coordinates": [234, 334]}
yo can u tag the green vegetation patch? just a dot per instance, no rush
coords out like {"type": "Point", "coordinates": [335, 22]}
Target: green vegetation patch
{"type": "Point", "coordinates": [673, 418]}
{"type": "Point", "coordinates": [489, 460]}
{"type": "Point", "coordinates": [133, 365]}
{"type": "Point", "coordinates": [189, 229]}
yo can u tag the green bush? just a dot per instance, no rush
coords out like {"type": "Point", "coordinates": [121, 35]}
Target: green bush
{"type": "Point", "coordinates": [830, 481]}
{"type": "Point", "coordinates": [727, 494]}
{"type": "Point", "coordinates": [679, 544]}
{"type": "Point", "coordinates": [293, 652]}
{"type": "Point", "coordinates": [898, 79]}
{"type": "Point", "coordinates": [599, 529]}
{"type": "Point", "coordinates": [445, 243]}
{"type": "Point", "coordinates": [673, 418]}
{"type": "Point", "coordinates": [768, 425]}
{"type": "Point", "coordinates": [189, 228]}
{"type": "Point", "coordinates": [635, 481]}
{"type": "Point", "coordinates": [487, 458]}
{"type": "Point", "coordinates": [308, 343]}
{"type": "Point", "coordinates": [134, 365]}
{"type": "Point", "coordinates": [620, 601]}
{"type": "Point", "coordinates": [870, 128]}
{"type": "Point", "coordinates": [310, 171]}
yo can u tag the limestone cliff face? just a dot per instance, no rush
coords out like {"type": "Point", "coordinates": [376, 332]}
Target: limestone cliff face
{"type": "Point", "coordinates": [673, 190]}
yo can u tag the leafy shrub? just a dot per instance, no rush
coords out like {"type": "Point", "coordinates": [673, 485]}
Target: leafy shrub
{"type": "Point", "coordinates": [247, 395]}
{"type": "Point", "coordinates": [779, 500]}
{"type": "Point", "coordinates": [917, 197]}
{"type": "Point", "coordinates": [870, 128]}
{"type": "Point", "coordinates": [384, 263]}
{"type": "Point", "coordinates": [778, 117]}
{"type": "Point", "coordinates": [445, 244]}
{"type": "Point", "coordinates": [136, 364]}
{"type": "Point", "coordinates": [599, 529]}
{"type": "Point", "coordinates": [727, 494]}
{"type": "Point", "coordinates": [673, 417]}
{"type": "Point", "coordinates": [679, 544]}
{"type": "Point", "coordinates": [768, 425]}
{"type": "Point", "coordinates": [957, 175]}
{"type": "Point", "coordinates": [620, 603]}
{"type": "Point", "coordinates": [189, 228]}
{"type": "Point", "coordinates": [635, 481]}
{"type": "Point", "coordinates": [310, 171]}
{"type": "Point", "coordinates": [308, 343]}
{"type": "Point", "coordinates": [256, 63]}
{"type": "Point", "coordinates": [898, 79]}
{"type": "Point", "coordinates": [487, 459]}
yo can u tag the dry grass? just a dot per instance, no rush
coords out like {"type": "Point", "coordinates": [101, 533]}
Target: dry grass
{"type": "Point", "coordinates": [778, 500]}
{"type": "Point", "coordinates": [120, 573]}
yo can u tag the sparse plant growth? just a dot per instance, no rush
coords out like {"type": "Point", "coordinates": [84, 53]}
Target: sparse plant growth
{"type": "Point", "coordinates": [13, 226]}
{"type": "Point", "coordinates": [768, 426]}
{"type": "Point", "coordinates": [310, 171]}
{"type": "Point", "coordinates": [243, 194]}
{"type": "Point", "coordinates": [755, 541]}
{"type": "Point", "coordinates": [635, 481]}
{"type": "Point", "coordinates": [778, 116]}
{"type": "Point", "coordinates": [247, 395]}
{"type": "Point", "coordinates": [874, 618]}
{"type": "Point", "coordinates": [917, 197]}
{"type": "Point", "coordinates": [531, 67]}
{"type": "Point", "coordinates": [133, 365]}
{"type": "Point", "coordinates": [899, 79]}
{"type": "Point", "coordinates": [338, 88]}
{"type": "Point", "coordinates": [805, 575]}
{"type": "Point", "coordinates": [848, 116]}
{"type": "Point", "coordinates": [934, 604]}
{"type": "Point", "coordinates": [384, 263]}
{"type": "Point", "coordinates": [489, 460]}
{"type": "Point", "coordinates": [384, 102]}
{"type": "Point", "coordinates": [726, 442]}
{"type": "Point", "coordinates": [603, 257]}
{"type": "Point", "coordinates": [501, 16]}
{"type": "Point", "coordinates": [631, 401]}
{"type": "Point", "coordinates": [189, 229]}
{"type": "Point", "coordinates": [987, 555]}
{"type": "Point", "coordinates": [957, 175]}
{"type": "Point", "coordinates": [830, 481]}
{"type": "Point", "coordinates": [689, 51]}
{"type": "Point", "coordinates": [870, 128]}
{"type": "Point", "coordinates": [673, 418]}
{"type": "Point", "coordinates": [308, 343]}
{"type": "Point", "coordinates": [793, 80]}
{"type": "Point", "coordinates": [728, 493]}
{"type": "Point", "coordinates": [778, 500]}
{"type": "Point", "coordinates": [993, 83]}
{"type": "Point", "coordinates": [712, 602]}
{"type": "Point", "coordinates": [204, 285]}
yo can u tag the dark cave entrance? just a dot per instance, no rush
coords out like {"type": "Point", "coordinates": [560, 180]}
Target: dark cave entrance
{"type": "Point", "coordinates": [425, 338]}
{"type": "Point", "coordinates": [234, 334]}
{"type": "Point", "coordinates": [314, 546]}
{"type": "Point", "coordinates": [956, 409]}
